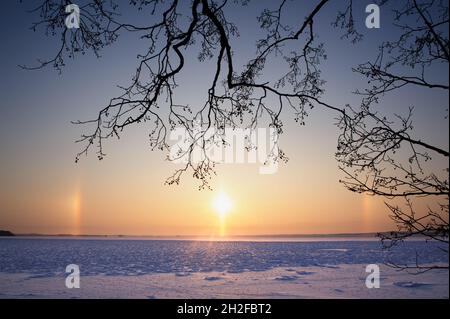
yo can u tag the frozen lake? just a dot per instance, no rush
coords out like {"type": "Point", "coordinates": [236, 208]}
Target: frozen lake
{"type": "Point", "coordinates": [35, 267]}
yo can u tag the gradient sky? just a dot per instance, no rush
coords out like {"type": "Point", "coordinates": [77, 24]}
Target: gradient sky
{"type": "Point", "coordinates": [42, 190]}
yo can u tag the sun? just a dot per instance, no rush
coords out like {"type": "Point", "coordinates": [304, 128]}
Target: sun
{"type": "Point", "coordinates": [222, 205]}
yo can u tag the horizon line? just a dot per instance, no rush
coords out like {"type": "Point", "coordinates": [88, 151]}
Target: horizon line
{"type": "Point", "coordinates": [281, 235]}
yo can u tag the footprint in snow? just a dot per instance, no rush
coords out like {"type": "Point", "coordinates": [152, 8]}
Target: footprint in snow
{"type": "Point", "coordinates": [411, 284]}
{"type": "Point", "coordinates": [213, 278]}
{"type": "Point", "coordinates": [286, 278]}
{"type": "Point", "coordinates": [182, 274]}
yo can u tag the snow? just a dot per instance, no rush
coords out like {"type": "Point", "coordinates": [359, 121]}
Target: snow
{"type": "Point", "coordinates": [121, 268]}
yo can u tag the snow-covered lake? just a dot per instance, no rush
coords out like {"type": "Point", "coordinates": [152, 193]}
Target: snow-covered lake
{"type": "Point", "coordinates": [124, 268]}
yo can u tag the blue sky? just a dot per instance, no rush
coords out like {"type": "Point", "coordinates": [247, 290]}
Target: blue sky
{"type": "Point", "coordinates": [37, 139]}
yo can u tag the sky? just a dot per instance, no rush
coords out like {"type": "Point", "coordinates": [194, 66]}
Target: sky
{"type": "Point", "coordinates": [43, 190]}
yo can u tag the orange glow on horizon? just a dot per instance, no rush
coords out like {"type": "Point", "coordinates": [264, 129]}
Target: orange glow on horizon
{"type": "Point", "coordinates": [76, 211]}
{"type": "Point", "coordinates": [222, 206]}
